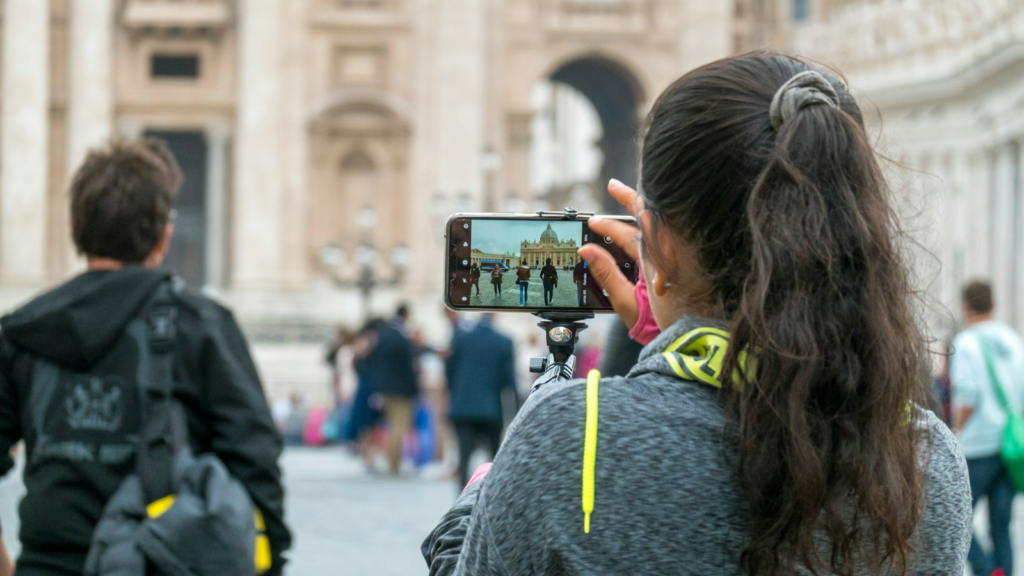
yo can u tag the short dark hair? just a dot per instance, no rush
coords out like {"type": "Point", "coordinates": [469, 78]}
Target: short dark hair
{"type": "Point", "coordinates": [403, 311]}
{"type": "Point", "coordinates": [121, 199]}
{"type": "Point", "coordinates": [977, 295]}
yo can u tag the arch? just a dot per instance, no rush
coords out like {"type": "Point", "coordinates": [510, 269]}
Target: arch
{"type": "Point", "coordinates": [382, 101]}
{"type": "Point", "coordinates": [357, 160]}
{"type": "Point", "coordinates": [617, 96]}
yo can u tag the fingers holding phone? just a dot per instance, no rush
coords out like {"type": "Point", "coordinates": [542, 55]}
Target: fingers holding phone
{"type": "Point", "coordinates": [606, 270]}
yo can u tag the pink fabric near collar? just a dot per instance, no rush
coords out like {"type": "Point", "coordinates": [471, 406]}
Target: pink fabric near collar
{"type": "Point", "coordinates": [480, 472]}
{"type": "Point", "coordinates": [646, 329]}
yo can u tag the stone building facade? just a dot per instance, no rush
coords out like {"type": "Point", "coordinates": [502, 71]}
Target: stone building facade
{"type": "Point", "coordinates": [561, 252]}
{"type": "Point", "coordinates": [316, 134]}
{"type": "Point", "coordinates": [508, 259]}
{"type": "Point", "coordinates": [942, 84]}
{"type": "Point", "coordinates": [321, 138]}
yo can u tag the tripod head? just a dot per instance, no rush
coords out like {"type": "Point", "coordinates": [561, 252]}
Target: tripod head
{"type": "Point", "coordinates": [562, 331]}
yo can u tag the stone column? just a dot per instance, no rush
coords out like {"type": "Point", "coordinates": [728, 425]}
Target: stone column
{"type": "Point", "coordinates": [295, 138]}
{"type": "Point", "coordinates": [1018, 249]}
{"type": "Point", "coordinates": [258, 198]}
{"type": "Point", "coordinates": [24, 141]}
{"type": "Point", "coordinates": [90, 87]}
{"type": "Point", "coordinates": [979, 261]}
{"type": "Point", "coordinates": [1003, 217]}
{"type": "Point", "coordinates": [216, 204]}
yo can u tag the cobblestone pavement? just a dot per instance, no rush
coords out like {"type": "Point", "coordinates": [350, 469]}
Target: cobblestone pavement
{"type": "Point", "coordinates": [346, 522]}
{"type": "Point", "coordinates": [349, 523]}
{"type": "Point", "coordinates": [564, 293]}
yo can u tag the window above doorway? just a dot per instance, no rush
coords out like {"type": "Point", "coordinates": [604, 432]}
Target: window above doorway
{"type": "Point", "coordinates": [174, 66]}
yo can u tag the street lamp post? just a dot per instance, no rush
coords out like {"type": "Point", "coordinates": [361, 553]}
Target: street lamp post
{"type": "Point", "coordinates": [364, 277]}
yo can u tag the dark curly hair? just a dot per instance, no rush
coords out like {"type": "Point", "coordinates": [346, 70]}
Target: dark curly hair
{"type": "Point", "coordinates": [793, 227]}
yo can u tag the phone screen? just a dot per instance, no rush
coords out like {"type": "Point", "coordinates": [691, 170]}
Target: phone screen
{"type": "Point", "coordinates": [525, 263]}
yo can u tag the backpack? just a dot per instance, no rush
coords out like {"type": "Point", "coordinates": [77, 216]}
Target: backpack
{"type": "Point", "coordinates": [1012, 450]}
{"type": "Point", "coordinates": [177, 514]}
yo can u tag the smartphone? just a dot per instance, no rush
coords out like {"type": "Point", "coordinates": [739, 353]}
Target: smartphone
{"type": "Point", "coordinates": [525, 263]}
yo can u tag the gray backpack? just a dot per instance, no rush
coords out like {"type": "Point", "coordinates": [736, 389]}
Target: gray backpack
{"type": "Point", "coordinates": [178, 514]}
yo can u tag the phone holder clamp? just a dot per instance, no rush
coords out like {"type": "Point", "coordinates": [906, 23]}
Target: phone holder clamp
{"type": "Point", "coordinates": [562, 332]}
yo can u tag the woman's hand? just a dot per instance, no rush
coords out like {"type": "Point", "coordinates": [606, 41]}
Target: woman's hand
{"type": "Point", "coordinates": [602, 264]}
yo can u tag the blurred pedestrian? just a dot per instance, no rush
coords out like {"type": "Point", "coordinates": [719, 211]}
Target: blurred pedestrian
{"type": "Point", "coordinates": [549, 276]}
{"type": "Point", "coordinates": [6, 566]}
{"type": "Point", "coordinates": [480, 370]}
{"type": "Point", "coordinates": [113, 355]}
{"type": "Point", "coordinates": [365, 410]}
{"type": "Point", "coordinates": [392, 364]}
{"type": "Point", "coordinates": [294, 424]}
{"type": "Point", "coordinates": [980, 403]}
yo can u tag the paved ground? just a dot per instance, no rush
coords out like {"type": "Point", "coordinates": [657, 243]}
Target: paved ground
{"type": "Point", "coordinates": [347, 522]}
{"type": "Point", "coordinates": [564, 293]}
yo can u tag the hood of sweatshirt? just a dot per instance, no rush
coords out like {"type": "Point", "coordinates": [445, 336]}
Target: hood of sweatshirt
{"type": "Point", "coordinates": [75, 324]}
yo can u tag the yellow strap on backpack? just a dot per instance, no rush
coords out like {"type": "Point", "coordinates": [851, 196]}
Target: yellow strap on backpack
{"type": "Point", "coordinates": [263, 557]}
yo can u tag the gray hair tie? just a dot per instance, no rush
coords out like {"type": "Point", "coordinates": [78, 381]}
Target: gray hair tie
{"type": "Point", "coordinates": [807, 88]}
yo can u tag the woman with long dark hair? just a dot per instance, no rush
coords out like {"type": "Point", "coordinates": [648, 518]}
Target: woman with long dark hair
{"type": "Point", "coordinates": [776, 426]}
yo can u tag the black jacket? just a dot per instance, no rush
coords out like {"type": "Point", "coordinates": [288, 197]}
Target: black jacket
{"type": "Point", "coordinates": [481, 366]}
{"type": "Point", "coordinates": [392, 363]}
{"type": "Point", "coordinates": [74, 326]}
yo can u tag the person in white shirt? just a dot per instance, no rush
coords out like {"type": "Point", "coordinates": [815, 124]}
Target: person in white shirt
{"type": "Point", "coordinates": [979, 418]}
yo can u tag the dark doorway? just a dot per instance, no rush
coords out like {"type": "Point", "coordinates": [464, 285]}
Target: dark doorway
{"type": "Point", "coordinates": [616, 97]}
{"type": "Point", "coordinates": [187, 256]}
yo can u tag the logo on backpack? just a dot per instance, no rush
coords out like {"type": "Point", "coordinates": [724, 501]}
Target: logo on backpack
{"type": "Point", "coordinates": [95, 403]}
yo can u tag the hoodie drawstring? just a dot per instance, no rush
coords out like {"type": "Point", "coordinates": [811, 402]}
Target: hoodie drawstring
{"type": "Point", "coordinates": [590, 448]}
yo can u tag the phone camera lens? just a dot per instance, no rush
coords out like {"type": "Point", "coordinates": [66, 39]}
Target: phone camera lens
{"type": "Point", "coordinates": [607, 239]}
{"type": "Point", "coordinates": [465, 226]}
{"type": "Point", "coordinates": [464, 298]}
{"type": "Point", "coordinates": [465, 244]}
{"type": "Point", "coordinates": [465, 262]}
{"type": "Point", "coordinates": [627, 264]}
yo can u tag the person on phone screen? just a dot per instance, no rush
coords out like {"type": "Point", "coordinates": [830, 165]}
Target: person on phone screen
{"type": "Point", "coordinates": [579, 275]}
{"type": "Point", "coordinates": [497, 276]}
{"type": "Point", "coordinates": [523, 280]}
{"type": "Point", "coordinates": [776, 425]}
{"type": "Point", "coordinates": [549, 276]}
{"type": "Point", "coordinates": [474, 277]}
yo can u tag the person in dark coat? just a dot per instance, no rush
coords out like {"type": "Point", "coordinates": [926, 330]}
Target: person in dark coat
{"type": "Point", "coordinates": [392, 363]}
{"type": "Point", "coordinates": [579, 275]}
{"type": "Point", "coordinates": [549, 275]}
{"type": "Point", "coordinates": [474, 277]}
{"type": "Point", "coordinates": [480, 369]}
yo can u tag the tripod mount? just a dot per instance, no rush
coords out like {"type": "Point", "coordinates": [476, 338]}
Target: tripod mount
{"type": "Point", "coordinates": [561, 330]}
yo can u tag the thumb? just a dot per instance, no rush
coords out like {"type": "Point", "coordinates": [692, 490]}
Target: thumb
{"type": "Point", "coordinates": [605, 271]}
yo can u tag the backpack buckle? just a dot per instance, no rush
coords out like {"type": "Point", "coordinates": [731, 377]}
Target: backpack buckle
{"type": "Point", "coordinates": [161, 325]}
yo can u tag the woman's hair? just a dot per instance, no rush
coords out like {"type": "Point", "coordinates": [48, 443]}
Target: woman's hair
{"type": "Point", "coordinates": [793, 227]}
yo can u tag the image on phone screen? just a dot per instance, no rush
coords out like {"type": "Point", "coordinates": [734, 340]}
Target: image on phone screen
{"type": "Point", "coordinates": [527, 263]}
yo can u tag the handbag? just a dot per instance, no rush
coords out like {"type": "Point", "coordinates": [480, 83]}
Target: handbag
{"type": "Point", "coordinates": [1012, 447]}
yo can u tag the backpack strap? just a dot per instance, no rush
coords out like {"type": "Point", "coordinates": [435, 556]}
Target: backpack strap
{"type": "Point", "coordinates": [164, 430]}
{"type": "Point", "coordinates": [986, 350]}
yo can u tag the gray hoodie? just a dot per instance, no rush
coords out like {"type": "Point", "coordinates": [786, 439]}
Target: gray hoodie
{"type": "Point", "coordinates": [666, 497]}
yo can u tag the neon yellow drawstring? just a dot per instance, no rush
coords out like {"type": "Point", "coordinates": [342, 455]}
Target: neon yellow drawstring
{"type": "Point", "coordinates": [590, 448]}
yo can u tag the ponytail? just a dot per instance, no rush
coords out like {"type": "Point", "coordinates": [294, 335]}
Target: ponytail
{"type": "Point", "coordinates": [789, 214]}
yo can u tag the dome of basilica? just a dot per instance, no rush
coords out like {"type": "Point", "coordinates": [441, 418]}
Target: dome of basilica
{"type": "Point", "coordinates": [548, 236]}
